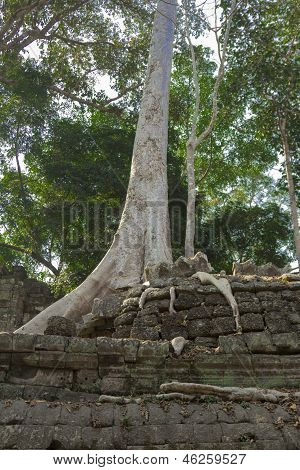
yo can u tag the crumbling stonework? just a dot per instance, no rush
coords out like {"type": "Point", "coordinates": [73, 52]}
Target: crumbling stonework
{"type": "Point", "coordinates": [20, 298]}
{"type": "Point", "coordinates": [203, 314]}
{"type": "Point", "coordinates": [153, 424]}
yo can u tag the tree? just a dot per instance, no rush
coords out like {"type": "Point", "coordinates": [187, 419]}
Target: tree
{"type": "Point", "coordinates": [143, 236]}
{"type": "Point", "coordinates": [262, 53]}
{"type": "Point", "coordinates": [195, 140]}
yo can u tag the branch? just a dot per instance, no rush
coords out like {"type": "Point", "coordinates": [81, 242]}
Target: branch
{"type": "Point", "coordinates": [228, 393]}
{"type": "Point", "coordinates": [33, 254]}
{"type": "Point", "coordinates": [219, 79]}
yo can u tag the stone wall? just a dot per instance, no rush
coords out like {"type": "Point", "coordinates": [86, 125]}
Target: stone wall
{"type": "Point", "coordinates": [152, 424]}
{"type": "Point", "coordinates": [203, 314]}
{"type": "Point", "coordinates": [20, 298]}
{"type": "Point", "coordinates": [132, 367]}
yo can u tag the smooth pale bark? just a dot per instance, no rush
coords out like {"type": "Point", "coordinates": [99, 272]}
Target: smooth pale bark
{"type": "Point", "coordinates": [229, 393]}
{"type": "Point", "coordinates": [194, 141]}
{"type": "Point", "coordinates": [291, 186]}
{"type": "Point", "coordinates": [143, 236]}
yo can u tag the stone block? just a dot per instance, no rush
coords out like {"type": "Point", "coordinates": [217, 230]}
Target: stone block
{"type": "Point", "coordinates": [97, 438]}
{"type": "Point", "coordinates": [131, 347]}
{"type": "Point", "coordinates": [250, 307]}
{"type": "Point", "coordinates": [24, 437]}
{"type": "Point", "coordinates": [6, 342]}
{"type": "Point", "coordinates": [125, 319]}
{"type": "Point", "coordinates": [13, 412]}
{"type": "Point", "coordinates": [102, 415]}
{"type": "Point", "coordinates": [110, 346]}
{"type": "Point", "coordinates": [199, 328]}
{"type": "Point", "coordinates": [232, 344]}
{"type": "Point", "coordinates": [252, 322]}
{"type": "Point", "coordinates": [81, 345]}
{"type": "Point", "coordinates": [5, 360]}
{"type": "Point", "coordinates": [115, 386]}
{"type": "Point", "coordinates": [76, 414]}
{"type": "Point", "coordinates": [24, 343]}
{"type": "Point", "coordinates": [25, 359]}
{"type": "Point", "coordinates": [208, 433]}
{"type": "Point", "coordinates": [109, 306]}
{"type": "Point", "coordinates": [222, 326]}
{"type": "Point", "coordinates": [145, 332]}
{"type": "Point", "coordinates": [186, 301]}
{"type": "Point", "coordinates": [81, 361]}
{"type": "Point", "coordinates": [171, 330]}
{"type": "Point", "coordinates": [50, 343]}
{"type": "Point", "coordinates": [60, 326]}
{"type": "Point", "coordinates": [162, 305]}
{"type": "Point", "coordinates": [277, 322]}
{"type": "Point", "coordinates": [122, 331]}
{"type": "Point", "coordinates": [66, 437]}
{"type": "Point", "coordinates": [222, 311]}
{"type": "Point", "coordinates": [153, 349]}
{"type": "Point", "coordinates": [208, 342]}
{"type": "Point", "coordinates": [260, 342]}
{"type": "Point", "coordinates": [197, 313]}
{"type": "Point", "coordinates": [288, 343]}
{"type": "Point", "coordinates": [145, 321]}
{"type": "Point", "coordinates": [215, 299]}
{"type": "Point", "coordinates": [42, 413]}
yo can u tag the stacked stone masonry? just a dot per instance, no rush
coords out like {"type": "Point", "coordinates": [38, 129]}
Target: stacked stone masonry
{"type": "Point", "coordinates": [152, 424]}
{"type": "Point", "coordinates": [270, 309]}
{"type": "Point", "coordinates": [132, 367]}
{"type": "Point", "coordinates": [20, 298]}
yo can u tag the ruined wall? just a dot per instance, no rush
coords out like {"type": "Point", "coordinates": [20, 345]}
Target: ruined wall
{"type": "Point", "coordinates": [20, 298]}
{"type": "Point", "coordinates": [203, 314]}
{"type": "Point", "coordinates": [132, 367]}
{"type": "Point", "coordinates": [152, 424]}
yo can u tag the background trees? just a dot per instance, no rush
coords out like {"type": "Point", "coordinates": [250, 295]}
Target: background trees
{"type": "Point", "coordinates": [66, 145]}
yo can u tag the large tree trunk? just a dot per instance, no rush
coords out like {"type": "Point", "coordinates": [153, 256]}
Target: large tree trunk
{"type": "Point", "coordinates": [143, 236]}
{"type": "Point", "coordinates": [291, 186]}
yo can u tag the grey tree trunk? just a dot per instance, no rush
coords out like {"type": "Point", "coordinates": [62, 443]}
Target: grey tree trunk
{"type": "Point", "coordinates": [291, 186]}
{"type": "Point", "coordinates": [143, 236]}
{"type": "Point", "coordinates": [195, 140]}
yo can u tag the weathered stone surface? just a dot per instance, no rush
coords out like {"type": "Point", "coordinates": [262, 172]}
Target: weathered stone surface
{"type": "Point", "coordinates": [252, 322]}
{"type": "Point", "coordinates": [81, 345]}
{"type": "Point", "coordinates": [170, 330]}
{"type": "Point", "coordinates": [221, 326]}
{"type": "Point", "coordinates": [260, 342]}
{"type": "Point", "coordinates": [125, 319]}
{"type": "Point", "coordinates": [287, 342]}
{"type": "Point", "coordinates": [250, 268]}
{"type": "Point", "coordinates": [122, 331]}
{"type": "Point", "coordinates": [198, 328]}
{"type": "Point", "coordinates": [206, 341]}
{"type": "Point", "coordinates": [183, 267]}
{"type": "Point", "coordinates": [6, 342]}
{"type": "Point", "coordinates": [60, 326]}
{"type": "Point", "coordinates": [198, 313]}
{"type": "Point", "coordinates": [215, 299]}
{"type": "Point", "coordinates": [277, 322]}
{"type": "Point", "coordinates": [108, 306]}
{"type": "Point", "coordinates": [232, 344]}
{"type": "Point", "coordinates": [131, 347]}
{"type": "Point", "coordinates": [185, 301]}
{"type": "Point", "coordinates": [145, 321]}
{"type": "Point", "coordinates": [50, 343]}
{"type": "Point", "coordinates": [140, 331]}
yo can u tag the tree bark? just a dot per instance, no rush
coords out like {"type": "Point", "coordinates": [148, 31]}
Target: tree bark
{"type": "Point", "coordinates": [291, 186]}
{"type": "Point", "coordinates": [194, 141]}
{"type": "Point", "coordinates": [143, 236]}
{"type": "Point", "coordinates": [229, 393]}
